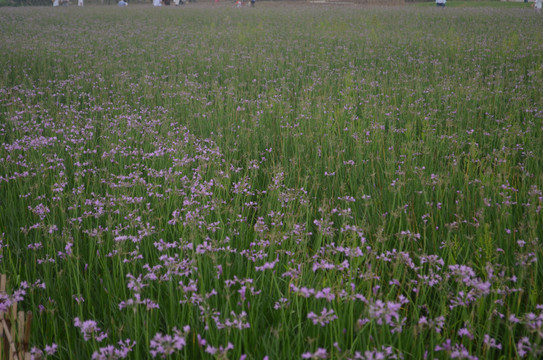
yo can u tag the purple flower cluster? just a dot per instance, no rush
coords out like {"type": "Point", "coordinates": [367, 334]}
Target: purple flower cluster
{"type": "Point", "coordinates": [90, 330]}
{"type": "Point", "coordinates": [165, 345]}
{"type": "Point", "coordinates": [111, 352]}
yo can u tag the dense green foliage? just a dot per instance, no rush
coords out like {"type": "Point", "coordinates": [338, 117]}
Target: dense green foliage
{"type": "Point", "coordinates": [223, 168]}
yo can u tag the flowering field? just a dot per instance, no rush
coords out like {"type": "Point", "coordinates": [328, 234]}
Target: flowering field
{"type": "Point", "coordinates": [281, 182]}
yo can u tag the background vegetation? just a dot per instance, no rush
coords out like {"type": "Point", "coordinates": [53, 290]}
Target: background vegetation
{"type": "Point", "coordinates": [280, 181]}
{"type": "Point", "coordinates": [454, 3]}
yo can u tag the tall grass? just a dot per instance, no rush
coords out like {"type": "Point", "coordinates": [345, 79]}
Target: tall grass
{"type": "Point", "coordinates": [290, 182]}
